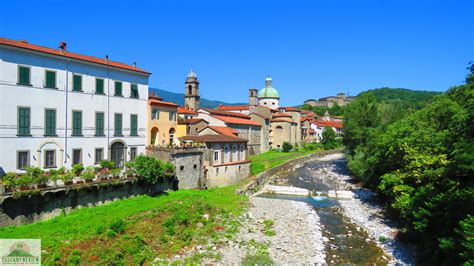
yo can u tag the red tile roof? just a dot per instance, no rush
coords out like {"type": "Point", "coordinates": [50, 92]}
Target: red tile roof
{"type": "Point", "coordinates": [182, 110]}
{"type": "Point", "coordinates": [235, 120]}
{"type": "Point", "coordinates": [211, 138]}
{"type": "Point", "coordinates": [224, 113]}
{"type": "Point", "coordinates": [292, 109]}
{"type": "Point", "coordinates": [224, 130]}
{"type": "Point", "coordinates": [233, 107]}
{"type": "Point", "coordinates": [281, 115]}
{"type": "Point", "coordinates": [328, 124]}
{"type": "Point", "coordinates": [280, 120]}
{"type": "Point", "coordinates": [155, 101]}
{"type": "Point", "coordinates": [192, 121]}
{"type": "Point", "coordinates": [66, 54]}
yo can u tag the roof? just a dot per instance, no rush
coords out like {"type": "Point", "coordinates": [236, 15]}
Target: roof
{"type": "Point", "coordinates": [280, 120]}
{"type": "Point", "coordinates": [328, 124]}
{"type": "Point", "coordinates": [233, 107]}
{"type": "Point", "coordinates": [224, 130]}
{"type": "Point", "coordinates": [282, 115]}
{"type": "Point", "coordinates": [155, 100]}
{"type": "Point", "coordinates": [292, 109]}
{"type": "Point", "coordinates": [212, 138]}
{"type": "Point", "coordinates": [235, 120]}
{"type": "Point", "coordinates": [101, 61]}
{"type": "Point", "coordinates": [192, 121]}
{"type": "Point", "coordinates": [269, 92]}
{"type": "Point", "coordinates": [192, 74]}
{"type": "Point", "coordinates": [224, 113]}
{"type": "Point", "coordinates": [182, 110]}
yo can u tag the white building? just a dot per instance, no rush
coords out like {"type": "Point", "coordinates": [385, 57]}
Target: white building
{"type": "Point", "coordinates": [60, 108]}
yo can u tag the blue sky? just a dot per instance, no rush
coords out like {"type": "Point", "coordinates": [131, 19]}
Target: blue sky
{"type": "Point", "coordinates": [310, 48]}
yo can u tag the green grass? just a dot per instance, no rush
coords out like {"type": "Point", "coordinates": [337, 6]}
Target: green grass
{"type": "Point", "coordinates": [136, 230]}
{"type": "Point", "coordinates": [267, 160]}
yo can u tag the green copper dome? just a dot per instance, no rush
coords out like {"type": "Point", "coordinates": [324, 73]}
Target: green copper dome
{"type": "Point", "coordinates": [268, 91]}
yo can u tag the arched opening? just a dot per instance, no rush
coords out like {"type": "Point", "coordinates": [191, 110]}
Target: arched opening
{"type": "Point", "coordinates": [117, 152]}
{"type": "Point", "coordinates": [279, 128]}
{"type": "Point", "coordinates": [154, 139]}
{"type": "Point", "coordinates": [190, 90]}
{"type": "Point", "coordinates": [242, 152]}
{"type": "Point", "coordinates": [235, 153]}
{"type": "Point", "coordinates": [172, 131]}
{"type": "Point", "coordinates": [226, 153]}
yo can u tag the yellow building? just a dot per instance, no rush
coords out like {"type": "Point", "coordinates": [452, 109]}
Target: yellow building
{"type": "Point", "coordinates": [162, 121]}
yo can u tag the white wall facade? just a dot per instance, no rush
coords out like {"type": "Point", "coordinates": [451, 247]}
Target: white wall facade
{"type": "Point", "coordinates": [271, 103]}
{"type": "Point", "coordinates": [38, 98]}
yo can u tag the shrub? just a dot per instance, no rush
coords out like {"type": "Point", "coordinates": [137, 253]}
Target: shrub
{"type": "Point", "coordinates": [77, 169]}
{"type": "Point", "coordinates": [9, 180]}
{"type": "Point", "coordinates": [150, 169]}
{"type": "Point", "coordinates": [107, 164]}
{"type": "Point", "coordinates": [24, 181]}
{"type": "Point", "coordinates": [329, 139]}
{"type": "Point", "coordinates": [37, 175]}
{"type": "Point", "coordinates": [117, 226]}
{"type": "Point", "coordinates": [287, 147]}
{"type": "Point", "coordinates": [67, 177]}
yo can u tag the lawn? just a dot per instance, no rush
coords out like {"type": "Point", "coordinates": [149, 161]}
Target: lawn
{"type": "Point", "coordinates": [137, 230]}
{"type": "Point", "coordinates": [267, 160]}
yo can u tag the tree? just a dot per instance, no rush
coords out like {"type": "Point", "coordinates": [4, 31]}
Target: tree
{"type": "Point", "coordinates": [470, 76]}
{"type": "Point", "coordinates": [329, 138]}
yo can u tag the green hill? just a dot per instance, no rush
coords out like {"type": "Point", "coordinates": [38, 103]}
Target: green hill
{"type": "Point", "coordinates": [404, 97]}
{"type": "Point", "coordinates": [178, 98]}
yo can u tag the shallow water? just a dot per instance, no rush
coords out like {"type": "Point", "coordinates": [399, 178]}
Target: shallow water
{"type": "Point", "coordinates": [347, 243]}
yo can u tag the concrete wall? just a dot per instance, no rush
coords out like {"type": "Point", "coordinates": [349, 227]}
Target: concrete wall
{"type": "Point", "coordinates": [223, 175]}
{"type": "Point", "coordinates": [50, 203]}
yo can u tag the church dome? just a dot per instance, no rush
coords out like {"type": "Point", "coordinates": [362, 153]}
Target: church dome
{"type": "Point", "coordinates": [268, 91]}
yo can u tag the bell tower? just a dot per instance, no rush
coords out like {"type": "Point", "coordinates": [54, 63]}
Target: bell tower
{"type": "Point", "coordinates": [191, 91]}
{"type": "Point", "coordinates": [253, 97]}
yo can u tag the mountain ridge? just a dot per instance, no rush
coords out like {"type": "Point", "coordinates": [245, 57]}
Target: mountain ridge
{"type": "Point", "coordinates": [178, 98]}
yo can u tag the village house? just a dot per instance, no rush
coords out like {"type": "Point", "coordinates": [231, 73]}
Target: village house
{"type": "Point", "coordinates": [161, 122]}
{"type": "Point", "coordinates": [61, 108]}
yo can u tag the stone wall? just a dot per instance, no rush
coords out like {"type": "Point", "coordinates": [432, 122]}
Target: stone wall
{"type": "Point", "coordinates": [188, 162]}
{"type": "Point", "coordinates": [223, 175]}
{"type": "Point", "coordinates": [37, 205]}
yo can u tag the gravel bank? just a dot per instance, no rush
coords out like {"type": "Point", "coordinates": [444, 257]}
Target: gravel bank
{"type": "Point", "coordinates": [298, 238]}
{"type": "Point", "coordinates": [364, 210]}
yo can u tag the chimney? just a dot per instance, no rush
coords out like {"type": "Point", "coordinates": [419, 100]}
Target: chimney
{"type": "Point", "coordinates": [24, 41]}
{"type": "Point", "coordinates": [106, 58]}
{"type": "Point", "coordinates": [135, 64]}
{"type": "Point", "coordinates": [62, 46]}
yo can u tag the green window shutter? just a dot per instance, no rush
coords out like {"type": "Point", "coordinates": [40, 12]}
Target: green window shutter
{"type": "Point", "coordinates": [50, 122]}
{"type": "Point", "coordinates": [133, 125]}
{"type": "Point", "coordinates": [77, 83]}
{"type": "Point", "coordinates": [99, 86]}
{"type": "Point", "coordinates": [50, 79]}
{"type": "Point", "coordinates": [118, 88]}
{"type": "Point", "coordinates": [24, 121]}
{"type": "Point", "coordinates": [118, 125]}
{"type": "Point", "coordinates": [24, 75]}
{"type": "Point", "coordinates": [99, 124]}
{"type": "Point", "coordinates": [134, 91]}
{"type": "Point", "coordinates": [76, 123]}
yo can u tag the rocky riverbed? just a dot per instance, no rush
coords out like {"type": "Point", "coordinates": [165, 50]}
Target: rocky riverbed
{"type": "Point", "coordinates": [288, 232]}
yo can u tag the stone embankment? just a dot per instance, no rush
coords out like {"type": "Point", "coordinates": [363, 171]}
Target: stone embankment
{"type": "Point", "coordinates": [364, 210]}
{"type": "Point", "coordinates": [288, 231]}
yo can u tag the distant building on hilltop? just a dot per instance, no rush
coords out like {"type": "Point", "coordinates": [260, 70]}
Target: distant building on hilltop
{"type": "Point", "coordinates": [340, 99]}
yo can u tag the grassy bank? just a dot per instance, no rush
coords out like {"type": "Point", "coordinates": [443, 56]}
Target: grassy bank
{"type": "Point", "coordinates": [267, 160]}
{"type": "Point", "coordinates": [137, 230]}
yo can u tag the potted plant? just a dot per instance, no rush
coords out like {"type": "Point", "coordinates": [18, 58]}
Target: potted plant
{"type": "Point", "coordinates": [77, 169]}
{"type": "Point", "coordinates": [37, 176]}
{"type": "Point", "coordinates": [107, 164]}
{"type": "Point", "coordinates": [8, 181]}
{"type": "Point", "coordinates": [24, 182]}
{"type": "Point", "coordinates": [88, 174]}
{"type": "Point", "coordinates": [67, 178]}
{"type": "Point", "coordinates": [54, 176]}
{"type": "Point", "coordinates": [104, 174]}
{"type": "Point", "coordinates": [115, 173]}
{"type": "Point", "coordinates": [129, 170]}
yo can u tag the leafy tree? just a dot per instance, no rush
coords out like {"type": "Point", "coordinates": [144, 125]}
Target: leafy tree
{"type": "Point", "coordinates": [470, 76]}
{"type": "Point", "coordinates": [151, 169]}
{"type": "Point", "coordinates": [329, 138]}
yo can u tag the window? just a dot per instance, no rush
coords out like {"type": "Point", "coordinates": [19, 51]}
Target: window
{"type": "Point", "coordinates": [134, 91]}
{"type": "Point", "coordinates": [49, 159]}
{"type": "Point", "coordinates": [118, 88]}
{"type": "Point", "coordinates": [76, 123]}
{"type": "Point", "coordinates": [77, 83]}
{"type": "Point", "coordinates": [99, 86]}
{"type": "Point", "coordinates": [118, 125]}
{"type": "Point", "coordinates": [195, 166]}
{"type": "Point", "coordinates": [76, 156]}
{"type": "Point", "coordinates": [99, 155]}
{"type": "Point", "coordinates": [216, 156]}
{"type": "Point", "coordinates": [133, 125]}
{"type": "Point", "coordinates": [50, 122]}
{"type": "Point", "coordinates": [172, 116]}
{"type": "Point", "coordinates": [190, 90]}
{"type": "Point", "coordinates": [155, 114]}
{"type": "Point", "coordinates": [133, 153]}
{"type": "Point", "coordinates": [23, 159]}
{"type": "Point", "coordinates": [181, 168]}
{"type": "Point", "coordinates": [50, 79]}
{"type": "Point", "coordinates": [24, 121]}
{"type": "Point", "coordinates": [99, 124]}
{"type": "Point", "coordinates": [23, 75]}
{"type": "Point", "coordinates": [217, 170]}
